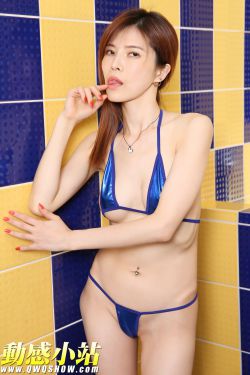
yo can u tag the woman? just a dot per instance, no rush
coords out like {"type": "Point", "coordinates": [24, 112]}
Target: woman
{"type": "Point", "coordinates": [142, 282]}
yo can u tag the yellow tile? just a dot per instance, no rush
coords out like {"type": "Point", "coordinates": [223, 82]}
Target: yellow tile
{"type": "Point", "coordinates": [229, 118]}
{"type": "Point", "coordinates": [82, 129]}
{"type": "Point", "coordinates": [170, 102]}
{"type": "Point", "coordinates": [228, 60]}
{"type": "Point", "coordinates": [77, 9]}
{"type": "Point", "coordinates": [217, 260]}
{"type": "Point", "coordinates": [171, 11]}
{"type": "Point", "coordinates": [218, 317]}
{"type": "Point", "coordinates": [27, 348]}
{"type": "Point", "coordinates": [220, 214]}
{"type": "Point", "coordinates": [229, 14]}
{"type": "Point", "coordinates": [16, 197]}
{"type": "Point", "coordinates": [208, 183]}
{"type": "Point", "coordinates": [217, 360]}
{"type": "Point", "coordinates": [26, 303]}
{"type": "Point", "coordinates": [246, 172]}
{"type": "Point", "coordinates": [225, 205]}
{"type": "Point", "coordinates": [68, 56]}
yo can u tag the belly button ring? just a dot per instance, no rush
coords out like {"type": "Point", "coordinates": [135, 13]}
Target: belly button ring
{"type": "Point", "coordinates": [137, 271]}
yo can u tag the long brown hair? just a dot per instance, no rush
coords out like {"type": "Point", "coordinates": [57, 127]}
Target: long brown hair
{"type": "Point", "coordinates": [162, 38]}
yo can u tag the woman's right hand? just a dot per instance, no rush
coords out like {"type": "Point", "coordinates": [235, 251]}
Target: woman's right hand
{"type": "Point", "coordinates": [78, 102]}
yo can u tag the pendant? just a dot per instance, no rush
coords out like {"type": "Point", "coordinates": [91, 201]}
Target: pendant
{"type": "Point", "coordinates": [130, 149]}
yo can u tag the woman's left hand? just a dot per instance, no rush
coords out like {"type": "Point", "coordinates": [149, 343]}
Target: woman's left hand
{"type": "Point", "coordinates": [51, 234]}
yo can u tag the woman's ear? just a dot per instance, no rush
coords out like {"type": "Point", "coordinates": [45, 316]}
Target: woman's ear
{"type": "Point", "coordinates": [162, 74]}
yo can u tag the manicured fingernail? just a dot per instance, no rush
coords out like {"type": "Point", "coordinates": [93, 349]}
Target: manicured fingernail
{"type": "Point", "coordinates": [12, 212]}
{"type": "Point", "coordinates": [85, 99]}
{"type": "Point", "coordinates": [18, 248]}
{"type": "Point", "coordinates": [40, 205]}
{"type": "Point", "coordinates": [7, 230]}
{"type": "Point", "coordinates": [6, 218]}
{"type": "Point", "coordinates": [92, 103]}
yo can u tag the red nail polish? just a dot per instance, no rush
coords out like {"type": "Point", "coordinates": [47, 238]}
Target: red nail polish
{"type": "Point", "coordinates": [18, 248]}
{"type": "Point", "coordinates": [7, 230]}
{"type": "Point", "coordinates": [40, 204]}
{"type": "Point", "coordinates": [11, 212]}
{"type": "Point", "coordinates": [92, 103]}
{"type": "Point", "coordinates": [6, 219]}
{"type": "Point", "coordinates": [85, 99]}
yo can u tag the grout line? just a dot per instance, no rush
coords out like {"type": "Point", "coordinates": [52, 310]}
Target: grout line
{"type": "Point", "coordinates": [32, 262]}
{"type": "Point", "coordinates": [218, 344]}
{"type": "Point", "coordinates": [50, 333]}
{"type": "Point", "coordinates": [107, 22]}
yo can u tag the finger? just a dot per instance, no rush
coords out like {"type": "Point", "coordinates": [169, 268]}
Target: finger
{"type": "Point", "coordinates": [46, 213]}
{"type": "Point", "coordinates": [23, 236]}
{"type": "Point", "coordinates": [21, 225]}
{"type": "Point", "coordinates": [28, 219]}
{"type": "Point", "coordinates": [102, 87]}
{"type": "Point", "coordinates": [82, 93]}
{"type": "Point", "coordinates": [89, 96]}
{"type": "Point", "coordinates": [30, 247]}
{"type": "Point", "coordinates": [96, 92]}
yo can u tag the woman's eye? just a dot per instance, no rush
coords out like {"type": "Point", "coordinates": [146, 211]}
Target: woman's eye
{"type": "Point", "coordinates": [109, 50]}
{"type": "Point", "coordinates": [135, 53]}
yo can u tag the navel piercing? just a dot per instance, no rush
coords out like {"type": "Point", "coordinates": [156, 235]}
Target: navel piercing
{"type": "Point", "coordinates": [137, 271]}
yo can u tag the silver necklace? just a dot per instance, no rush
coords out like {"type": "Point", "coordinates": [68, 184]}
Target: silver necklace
{"type": "Point", "coordinates": [130, 149]}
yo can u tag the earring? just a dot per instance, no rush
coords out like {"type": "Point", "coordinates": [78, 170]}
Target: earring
{"type": "Point", "coordinates": [157, 84]}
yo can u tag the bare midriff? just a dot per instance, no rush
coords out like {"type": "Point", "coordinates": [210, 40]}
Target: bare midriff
{"type": "Point", "coordinates": [156, 275]}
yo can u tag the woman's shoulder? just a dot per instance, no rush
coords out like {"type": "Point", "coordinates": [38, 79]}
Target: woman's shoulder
{"type": "Point", "coordinates": [178, 123]}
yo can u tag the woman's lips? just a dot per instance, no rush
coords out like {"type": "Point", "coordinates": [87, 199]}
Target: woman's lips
{"type": "Point", "coordinates": [114, 84]}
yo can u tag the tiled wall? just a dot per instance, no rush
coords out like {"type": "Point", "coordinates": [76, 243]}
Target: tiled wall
{"type": "Point", "coordinates": [48, 47]}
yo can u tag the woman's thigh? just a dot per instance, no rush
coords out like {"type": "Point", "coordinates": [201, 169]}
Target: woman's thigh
{"type": "Point", "coordinates": [118, 353]}
{"type": "Point", "coordinates": [168, 341]}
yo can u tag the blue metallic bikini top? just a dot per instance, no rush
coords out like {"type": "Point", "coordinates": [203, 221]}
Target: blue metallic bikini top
{"type": "Point", "coordinates": [108, 200]}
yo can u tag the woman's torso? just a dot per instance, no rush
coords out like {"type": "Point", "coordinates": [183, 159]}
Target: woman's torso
{"type": "Point", "coordinates": [167, 270]}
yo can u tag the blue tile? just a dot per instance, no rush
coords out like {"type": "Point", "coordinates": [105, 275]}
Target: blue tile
{"type": "Point", "coordinates": [200, 102]}
{"type": "Point", "coordinates": [229, 173]}
{"type": "Point", "coordinates": [244, 216]}
{"type": "Point", "coordinates": [244, 255]}
{"type": "Point", "coordinates": [20, 59]}
{"type": "Point", "coordinates": [197, 13]}
{"type": "Point", "coordinates": [28, 7]}
{"type": "Point", "coordinates": [196, 49]}
{"type": "Point", "coordinates": [21, 141]}
{"type": "Point", "coordinates": [244, 319]}
{"type": "Point", "coordinates": [247, 61]}
{"type": "Point", "coordinates": [106, 10]}
{"type": "Point", "coordinates": [82, 210]}
{"type": "Point", "coordinates": [70, 272]}
{"type": "Point", "coordinates": [247, 15]}
{"type": "Point", "coordinates": [245, 363]}
{"type": "Point", "coordinates": [246, 116]}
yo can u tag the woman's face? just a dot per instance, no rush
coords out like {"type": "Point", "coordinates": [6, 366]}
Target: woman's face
{"type": "Point", "coordinates": [134, 66]}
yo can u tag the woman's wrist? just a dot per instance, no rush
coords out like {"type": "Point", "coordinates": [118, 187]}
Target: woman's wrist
{"type": "Point", "coordinates": [67, 120]}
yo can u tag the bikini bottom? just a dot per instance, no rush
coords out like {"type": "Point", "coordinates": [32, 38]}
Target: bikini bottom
{"type": "Point", "coordinates": [128, 318]}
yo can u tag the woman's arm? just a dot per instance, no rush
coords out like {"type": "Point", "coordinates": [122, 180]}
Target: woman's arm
{"type": "Point", "coordinates": [54, 185]}
{"type": "Point", "coordinates": [176, 199]}
{"type": "Point", "coordinates": [131, 233]}
{"type": "Point", "coordinates": [46, 180]}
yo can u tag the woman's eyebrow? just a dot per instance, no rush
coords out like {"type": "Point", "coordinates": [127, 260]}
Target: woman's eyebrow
{"type": "Point", "coordinates": [130, 46]}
